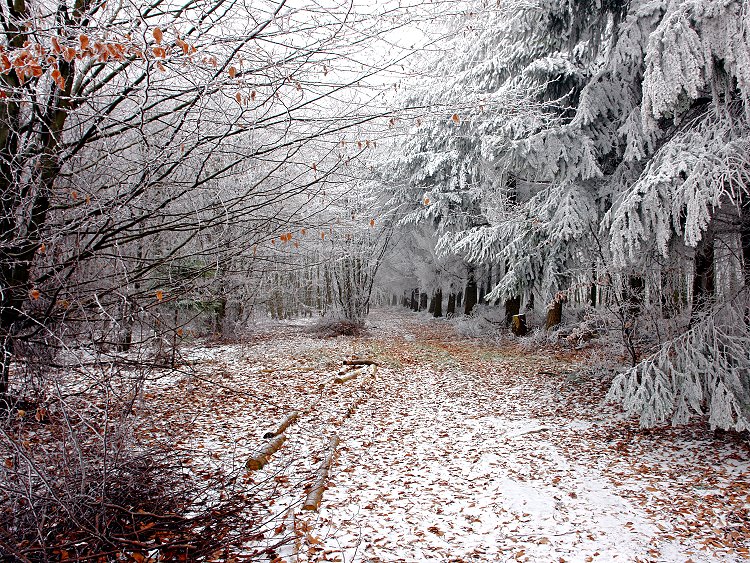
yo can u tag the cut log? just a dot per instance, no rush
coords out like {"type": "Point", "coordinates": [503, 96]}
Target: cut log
{"type": "Point", "coordinates": [348, 376]}
{"type": "Point", "coordinates": [519, 325]}
{"type": "Point", "coordinates": [264, 455]}
{"type": "Point", "coordinates": [314, 497]}
{"type": "Point", "coordinates": [360, 363]}
{"type": "Point", "coordinates": [286, 423]}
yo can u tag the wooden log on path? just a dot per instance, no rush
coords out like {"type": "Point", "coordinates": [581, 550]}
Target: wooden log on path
{"type": "Point", "coordinates": [264, 454]}
{"type": "Point", "coordinates": [360, 363]}
{"type": "Point", "coordinates": [347, 377]}
{"type": "Point", "coordinates": [286, 423]}
{"type": "Point", "coordinates": [314, 497]}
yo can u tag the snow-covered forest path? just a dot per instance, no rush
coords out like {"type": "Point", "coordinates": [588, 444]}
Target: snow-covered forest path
{"type": "Point", "coordinates": [460, 450]}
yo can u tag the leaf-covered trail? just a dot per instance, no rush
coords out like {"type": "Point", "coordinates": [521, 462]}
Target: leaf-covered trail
{"type": "Point", "coordinates": [471, 452]}
{"type": "Point", "coordinates": [464, 450]}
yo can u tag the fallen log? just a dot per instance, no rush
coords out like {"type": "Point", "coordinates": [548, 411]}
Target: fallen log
{"type": "Point", "coordinates": [286, 423]}
{"type": "Point", "coordinates": [314, 497]}
{"type": "Point", "coordinates": [264, 454]}
{"type": "Point", "coordinates": [360, 363]}
{"type": "Point", "coordinates": [346, 377]}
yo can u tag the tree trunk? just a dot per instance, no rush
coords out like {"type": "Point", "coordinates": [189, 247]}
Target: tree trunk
{"type": "Point", "coordinates": [470, 298]}
{"type": "Point", "coordinates": [554, 314]}
{"type": "Point", "coordinates": [415, 300]}
{"type": "Point", "coordinates": [431, 307]}
{"type": "Point", "coordinates": [512, 308]}
{"type": "Point", "coordinates": [450, 310]}
{"type": "Point", "coordinates": [422, 301]}
{"type": "Point", "coordinates": [703, 276]}
{"type": "Point", "coordinates": [7, 355]}
{"type": "Point", "coordinates": [490, 285]}
{"type": "Point", "coordinates": [437, 309]}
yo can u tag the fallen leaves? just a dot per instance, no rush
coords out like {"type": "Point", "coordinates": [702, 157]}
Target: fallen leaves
{"type": "Point", "coordinates": [417, 469]}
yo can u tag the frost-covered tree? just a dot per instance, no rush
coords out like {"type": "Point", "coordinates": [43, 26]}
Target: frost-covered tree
{"type": "Point", "coordinates": [606, 146]}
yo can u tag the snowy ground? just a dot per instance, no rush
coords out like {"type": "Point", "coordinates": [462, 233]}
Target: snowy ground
{"type": "Point", "coordinates": [459, 450]}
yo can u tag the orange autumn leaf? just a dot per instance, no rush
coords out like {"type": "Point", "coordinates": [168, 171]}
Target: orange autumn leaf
{"type": "Point", "coordinates": [238, 97]}
{"type": "Point", "coordinates": [34, 294]}
{"type": "Point", "coordinates": [74, 195]}
{"type": "Point", "coordinates": [252, 95]}
{"type": "Point", "coordinates": [372, 222]}
{"type": "Point", "coordinates": [303, 231]}
{"type": "Point", "coordinates": [232, 72]}
{"type": "Point", "coordinates": [456, 119]}
{"type": "Point", "coordinates": [84, 41]}
{"type": "Point", "coordinates": [427, 201]}
{"type": "Point", "coordinates": [322, 235]}
{"type": "Point", "coordinates": [158, 34]}
{"type": "Point", "coordinates": [159, 295]}
{"type": "Point", "coordinates": [180, 332]}
{"type": "Point", "coordinates": [59, 80]}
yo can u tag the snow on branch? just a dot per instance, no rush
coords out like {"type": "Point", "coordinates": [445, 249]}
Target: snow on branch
{"type": "Point", "coordinates": [701, 168]}
{"type": "Point", "coordinates": [704, 371]}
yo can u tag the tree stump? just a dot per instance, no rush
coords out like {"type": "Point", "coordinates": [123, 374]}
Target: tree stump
{"type": "Point", "coordinates": [518, 326]}
{"type": "Point", "coordinates": [554, 314]}
{"type": "Point", "coordinates": [512, 308]}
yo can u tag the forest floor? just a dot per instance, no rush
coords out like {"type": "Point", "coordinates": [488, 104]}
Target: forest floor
{"type": "Point", "coordinates": [459, 449]}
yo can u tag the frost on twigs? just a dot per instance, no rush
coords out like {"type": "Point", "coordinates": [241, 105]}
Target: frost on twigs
{"type": "Point", "coordinates": [705, 371]}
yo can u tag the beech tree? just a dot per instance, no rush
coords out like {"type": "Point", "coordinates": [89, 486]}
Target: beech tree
{"type": "Point", "coordinates": [146, 152]}
{"type": "Point", "coordinates": [121, 122]}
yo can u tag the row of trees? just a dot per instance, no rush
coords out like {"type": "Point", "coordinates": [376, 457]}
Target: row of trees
{"type": "Point", "coordinates": [595, 153]}
{"type": "Point", "coordinates": [156, 160]}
